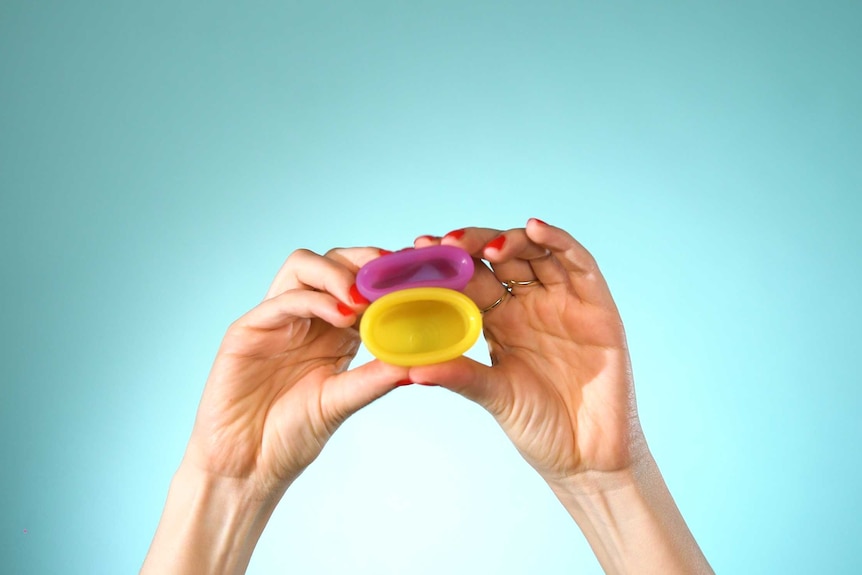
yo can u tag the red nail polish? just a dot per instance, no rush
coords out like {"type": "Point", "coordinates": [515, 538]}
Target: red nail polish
{"type": "Point", "coordinates": [384, 252]}
{"type": "Point", "coordinates": [357, 297]}
{"type": "Point", "coordinates": [344, 310]}
{"type": "Point", "coordinates": [455, 234]}
{"type": "Point", "coordinates": [496, 243]}
{"type": "Point", "coordinates": [403, 382]}
{"type": "Point", "coordinates": [543, 222]}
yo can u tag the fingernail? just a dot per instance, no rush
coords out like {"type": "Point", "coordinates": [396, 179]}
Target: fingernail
{"type": "Point", "coordinates": [384, 252]}
{"type": "Point", "coordinates": [403, 382]}
{"type": "Point", "coordinates": [496, 243]}
{"type": "Point", "coordinates": [429, 237]}
{"type": "Point", "coordinates": [543, 222]}
{"type": "Point", "coordinates": [455, 234]}
{"type": "Point", "coordinates": [357, 297]}
{"type": "Point", "coordinates": [344, 310]}
{"type": "Point", "coordinates": [427, 384]}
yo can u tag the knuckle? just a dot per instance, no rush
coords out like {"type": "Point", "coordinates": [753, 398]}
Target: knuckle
{"type": "Point", "coordinates": [299, 255]}
{"type": "Point", "coordinates": [334, 252]}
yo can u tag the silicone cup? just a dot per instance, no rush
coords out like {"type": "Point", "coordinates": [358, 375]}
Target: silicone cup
{"type": "Point", "coordinates": [434, 266]}
{"type": "Point", "coordinates": [420, 326]}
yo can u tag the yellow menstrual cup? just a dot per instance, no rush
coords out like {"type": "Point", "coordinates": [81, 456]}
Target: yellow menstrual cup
{"type": "Point", "coordinates": [420, 326]}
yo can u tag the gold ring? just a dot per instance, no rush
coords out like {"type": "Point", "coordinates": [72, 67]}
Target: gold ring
{"type": "Point", "coordinates": [498, 302]}
{"type": "Point", "coordinates": [518, 283]}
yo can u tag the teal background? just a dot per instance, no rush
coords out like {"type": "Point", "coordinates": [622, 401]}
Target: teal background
{"type": "Point", "coordinates": [159, 160]}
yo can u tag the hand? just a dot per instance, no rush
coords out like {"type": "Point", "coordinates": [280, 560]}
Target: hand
{"type": "Point", "coordinates": [279, 388]}
{"type": "Point", "coordinates": [560, 384]}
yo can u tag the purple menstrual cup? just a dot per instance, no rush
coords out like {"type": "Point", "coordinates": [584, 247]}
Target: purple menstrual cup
{"type": "Point", "coordinates": [434, 266]}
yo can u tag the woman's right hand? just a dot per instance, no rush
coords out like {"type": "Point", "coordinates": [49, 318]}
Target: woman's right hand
{"type": "Point", "coordinates": [278, 389]}
{"type": "Point", "coordinates": [280, 384]}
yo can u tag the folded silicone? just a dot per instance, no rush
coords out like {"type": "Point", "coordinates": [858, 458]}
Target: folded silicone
{"type": "Point", "coordinates": [420, 326]}
{"type": "Point", "coordinates": [434, 266]}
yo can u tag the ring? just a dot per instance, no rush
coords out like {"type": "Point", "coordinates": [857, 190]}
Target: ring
{"type": "Point", "coordinates": [518, 283]}
{"type": "Point", "coordinates": [498, 302]}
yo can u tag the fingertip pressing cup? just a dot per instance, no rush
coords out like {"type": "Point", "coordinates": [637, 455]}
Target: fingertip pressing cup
{"type": "Point", "coordinates": [434, 266]}
{"type": "Point", "coordinates": [420, 326]}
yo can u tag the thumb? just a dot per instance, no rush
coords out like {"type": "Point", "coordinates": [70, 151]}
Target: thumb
{"type": "Point", "coordinates": [350, 391]}
{"type": "Point", "coordinates": [471, 379]}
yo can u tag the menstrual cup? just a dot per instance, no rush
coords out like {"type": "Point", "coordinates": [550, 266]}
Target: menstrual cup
{"type": "Point", "coordinates": [420, 326]}
{"type": "Point", "coordinates": [434, 266]}
{"type": "Point", "coordinates": [417, 317]}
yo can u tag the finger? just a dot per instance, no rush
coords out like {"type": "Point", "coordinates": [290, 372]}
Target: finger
{"type": "Point", "coordinates": [334, 273]}
{"type": "Point", "coordinates": [305, 269]}
{"type": "Point", "coordinates": [426, 241]}
{"type": "Point", "coordinates": [278, 311]}
{"type": "Point", "coordinates": [484, 288]}
{"type": "Point", "coordinates": [350, 391]}
{"type": "Point", "coordinates": [472, 240]}
{"type": "Point", "coordinates": [542, 264]}
{"type": "Point", "coordinates": [512, 255]}
{"type": "Point", "coordinates": [578, 264]}
{"type": "Point", "coordinates": [469, 378]}
{"type": "Point", "coordinates": [355, 258]}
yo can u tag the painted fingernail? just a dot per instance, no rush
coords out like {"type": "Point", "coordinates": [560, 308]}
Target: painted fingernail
{"type": "Point", "coordinates": [357, 297]}
{"type": "Point", "coordinates": [543, 222]}
{"type": "Point", "coordinates": [455, 234]}
{"type": "Point", "coordinates": [403, 382]}
{"type": "Point", "coordinates": [384, 252]}
{"type": "Point", "coordinates": [344, 310]}
{"type": "Point", "coordinates": [429, 238]}
{"type": "Point", "coordinates": [427, 384]}
{"type": "Point", "coordinates": [496, 243]}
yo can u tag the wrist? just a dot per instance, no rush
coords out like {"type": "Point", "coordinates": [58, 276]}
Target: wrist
{"type": "Point", "coordinates": [210, 524]}
{"type": "Point", "coordinates": [631, 520]}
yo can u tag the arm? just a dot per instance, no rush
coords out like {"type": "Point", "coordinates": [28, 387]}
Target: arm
{"type": "Point", "coordinates": [209, 525]}
{"type": "Point", "coordinates": [561, 387]}
{"type": "Point", "coordinates": [631, 521]}
{"type": "Point", "coordinates": [278, 389]}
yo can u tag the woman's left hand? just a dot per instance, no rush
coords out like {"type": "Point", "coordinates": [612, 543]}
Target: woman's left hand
{"type": "Point", "coordinates": [560, 384]}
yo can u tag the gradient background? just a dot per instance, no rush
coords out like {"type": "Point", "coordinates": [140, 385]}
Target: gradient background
{"type": "Point", "coordinates": [160, 159]}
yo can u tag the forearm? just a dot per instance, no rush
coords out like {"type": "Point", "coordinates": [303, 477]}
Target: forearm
{"type": "Point", "coordinates": [631, 521]}
{"type": "Point", "coordinates": [209, 525]}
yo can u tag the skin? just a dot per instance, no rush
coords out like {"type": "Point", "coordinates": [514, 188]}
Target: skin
{"type": "Point", "coordinates": [560, 386]}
